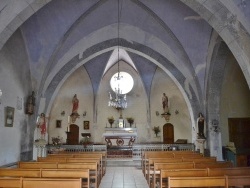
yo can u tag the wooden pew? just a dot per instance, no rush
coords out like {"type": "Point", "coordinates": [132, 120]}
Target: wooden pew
{"type": "Point", "coordinates": [217, 181]}
{"type": "Point", "coordinates": [73, 160]}
{"type": "Point", "coordinates": [158, 166]}
{"type": "Point", "coordinates": [101, 155]}
{"type": "Point", "coordinates": [47, 173]}
{"type": "Point", "coordinates": [68, 173]}
{"type": "Point", "coordinates": [199, 160]}
{"type": "Point", "coordinates": [148, 155]}
{"type": "Point", "coordinates": [218, 164]}
{"type": "Point", "coordinates": [238, 181]}
{"type": "Point", "coordinates": [149, 168]}
{"type": "Point", "coordinates": [10, 182]}
{"type": "Point", "coordinates": [37, 165]}
{"type": "Point", "coordinates": [93, 167]}
{"type": "Point", "coordinates": [164, 174]}
{"type": "Point", "coordinates": [235, 171]}
{"type": "Point", "coordinates": [51, 182]}
{"type": "Point", "coordinates": [17, 172]}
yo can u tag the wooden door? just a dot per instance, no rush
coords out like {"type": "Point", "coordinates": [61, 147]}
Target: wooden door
{"type": "Point", "coordinates": [168, 133]}
{"type": "Point", "coordinates": [239, 129]}
{"type": "Point", "coordinates": [73, 135]}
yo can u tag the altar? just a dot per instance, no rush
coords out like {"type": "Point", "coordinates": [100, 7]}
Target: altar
{"type": "Point", "coordinates": [120, 136]}
{"type": "Point", "coordinates": [119, 141]}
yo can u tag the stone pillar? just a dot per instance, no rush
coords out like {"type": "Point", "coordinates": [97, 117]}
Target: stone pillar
{"type": "Point", "coordinates": [200, 143]}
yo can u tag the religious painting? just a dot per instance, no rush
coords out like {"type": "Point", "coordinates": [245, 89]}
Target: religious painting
{"type": "Point", "coordinates": [9, 116]}
{"type": "Point", "coordinates": [85, 125]}
{"type": "Point", "coordinates": [58, 123]}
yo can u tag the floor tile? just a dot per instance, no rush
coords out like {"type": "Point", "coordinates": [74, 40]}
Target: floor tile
{"type": "Point", "coordinates": [123, 177]}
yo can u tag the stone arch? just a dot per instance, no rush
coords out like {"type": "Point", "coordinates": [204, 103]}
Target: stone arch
{"type": "Point", "coordinates": [215, 81]}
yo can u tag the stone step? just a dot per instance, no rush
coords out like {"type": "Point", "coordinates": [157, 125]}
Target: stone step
{"type": "Point", "coordinates": [123, 162]}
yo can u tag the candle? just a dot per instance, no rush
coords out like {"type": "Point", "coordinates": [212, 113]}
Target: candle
{"type": "Point", "coordinates": [68, 119]}
{"type": "Point", "coordinates": [67, 129]}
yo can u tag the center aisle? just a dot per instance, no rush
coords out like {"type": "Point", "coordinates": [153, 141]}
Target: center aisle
{"type": "Point", "coordinates": [123, 177]}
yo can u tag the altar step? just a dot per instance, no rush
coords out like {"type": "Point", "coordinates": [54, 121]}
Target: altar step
{"type": "Point", "coordinates": [115, 162]}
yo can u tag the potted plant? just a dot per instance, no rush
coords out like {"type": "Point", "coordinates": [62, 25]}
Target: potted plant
{"type": "Point", "coordinates": [130, 120]}
{"type": "Point", "coordinates": [156, 130]}
{"type": "Point", "coordinates": [111, 120]}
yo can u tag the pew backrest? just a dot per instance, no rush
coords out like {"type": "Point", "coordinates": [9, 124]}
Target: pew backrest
{"type": "Point", "coordinates": [17, 172]}
{"type": "Point", "coordinates": [235, 171]}
{"type": "Point", "coordinates": [10, 182]}
{"type": "Point", "coordinates": [197, 181]}
{"type": "Point", "coordinates": [220, 164]}
{"type": "Point", "coordinates": [52, 182]}
{"type": "Point", "coordinates": [37, 165]}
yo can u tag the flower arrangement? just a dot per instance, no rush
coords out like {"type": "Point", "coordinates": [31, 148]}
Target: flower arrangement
{"type": "Point", "coordinates": [85, 141]}
{"type": "Point", "coordinates": [130, 120]}
{"type": "Point", "coordinates": [156, 130]}
{"type": "Point", "coordinates": [111, 120]}
{"type": "Point", "coordinates": [56, 140]}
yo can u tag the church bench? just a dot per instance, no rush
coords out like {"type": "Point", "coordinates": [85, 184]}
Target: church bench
{"type": "Point", "coordinates": [155, 173]}
{"type": "Point", "coordinates": [238, 181]}
{"type": "Point", "coordinates": [101, 155]}
{"type": "Point", "coordinates": [154, 154]}
{"type": "Point", "coordinates": [47, 173]}
{"type": "Point", "coordinates": [93, 167]}
{"type": "Point", "coordinates": [164, 174]}
{"type": "Point", "coordinates": [150, 163]}
{"type": "Point", "coordinates": [72, 160]}
{"type": "Point", "coordinates": [10, 182]}
{"type": "Point", "coordinates": [17, 172]}
{"type": "Point", "coordinates": [217, 164]}
{"type": "Point", "coordinates": [68, 173]}
{"type": "Point", "coordinates": [217, 181]}
{"type": "Point", "coordinates": [234, 171]}
{"type": "Point", "coordinates": [199, 160]}
{"type": "Point", "coordinates": [51, 182]}
{"type": "Point", "coordinates": [37, 165]}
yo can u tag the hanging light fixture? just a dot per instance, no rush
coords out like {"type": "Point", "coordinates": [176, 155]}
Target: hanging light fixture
{"type": "Point", "coordinates": [119, 81]}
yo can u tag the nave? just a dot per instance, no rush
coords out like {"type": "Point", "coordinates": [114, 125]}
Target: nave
{"type": "Point", "coordinates": [123, 177]}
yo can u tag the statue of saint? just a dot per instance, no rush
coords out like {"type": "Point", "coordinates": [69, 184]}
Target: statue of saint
{"type": "Point", "coordinates": [165, 103]}
{"type": "Point", "coordinates": [41, 125]}
{"type": "Point", "coordinates": [201, 126]}
{"type": "Point", "coordinates": [75, 103]}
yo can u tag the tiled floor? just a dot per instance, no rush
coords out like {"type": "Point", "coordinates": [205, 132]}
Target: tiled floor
{"type": "Point", "coordinates": [123, 177]}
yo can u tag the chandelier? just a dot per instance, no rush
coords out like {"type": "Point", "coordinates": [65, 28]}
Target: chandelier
{"type": "Point", "coordinates": [119, 101]}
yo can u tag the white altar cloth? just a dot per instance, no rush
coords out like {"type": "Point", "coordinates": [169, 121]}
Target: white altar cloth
{"type": "Point", "coordinates": [119, 134]}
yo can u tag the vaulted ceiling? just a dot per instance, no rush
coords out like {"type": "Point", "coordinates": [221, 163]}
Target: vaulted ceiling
{"type": "Point", "coordinates": [178, 36]}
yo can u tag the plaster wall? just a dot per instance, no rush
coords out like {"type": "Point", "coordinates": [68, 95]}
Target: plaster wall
{"type": "Point", "coordinates": [162, 83]}
{"type": "Point", "coordinates": [138, 106]}
{"type": "Point", "coordinates": [235, 100]}
{"type": "Point", "coordinates": [15, 142]}
{"type": "Point", "coordinates": [78, 83]}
